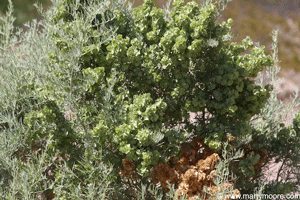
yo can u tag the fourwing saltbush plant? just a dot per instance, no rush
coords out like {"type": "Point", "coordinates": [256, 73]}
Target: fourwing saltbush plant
{"type": "Point", "coordinates": [188, 64]}
{"type": "Point", "coordinates": [100, 83]}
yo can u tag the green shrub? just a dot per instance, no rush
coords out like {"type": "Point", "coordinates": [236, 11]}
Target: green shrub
{"type": "Point", "coordinates": [101, 83]}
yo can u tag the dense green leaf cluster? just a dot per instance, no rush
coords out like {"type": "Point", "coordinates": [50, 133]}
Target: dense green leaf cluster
{"type": "Point", "coordinates": [50, 122]}
{"type": "Point", "coordinates": [189, 63]}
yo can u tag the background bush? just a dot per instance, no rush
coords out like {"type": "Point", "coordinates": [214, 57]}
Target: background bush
{"type": "Point", "coordinates": [23, 10]}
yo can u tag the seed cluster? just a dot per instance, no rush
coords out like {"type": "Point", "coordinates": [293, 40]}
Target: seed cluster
{"type": "Point", "coordinates": [129, 169]}
{"type": "Point", "coordinates": [194, 171]}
